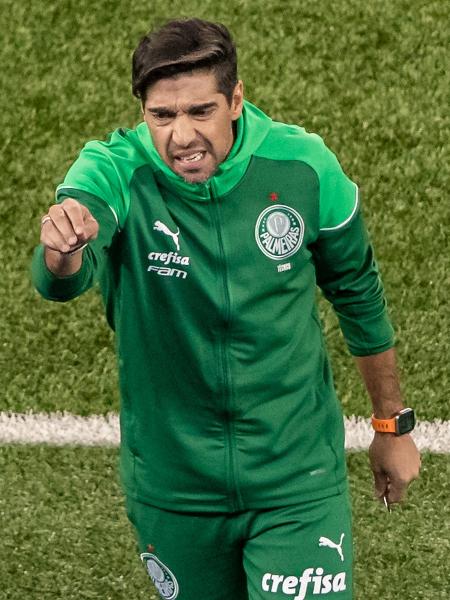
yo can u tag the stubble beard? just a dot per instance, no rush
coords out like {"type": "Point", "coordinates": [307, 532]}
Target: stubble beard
{"type": "Point", "coordinates": [203, 179]}
{"type": "Point", "coordinates": [191, 177]}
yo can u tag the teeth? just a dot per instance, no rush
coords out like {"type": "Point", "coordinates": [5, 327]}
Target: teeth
{"type": "Point", "coordinates": [193, 157]}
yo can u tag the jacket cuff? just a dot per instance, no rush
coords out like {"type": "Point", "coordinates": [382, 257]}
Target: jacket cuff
{"type": "Point", "coordinates": [51, 287]}
{"type": "Point", "coordinates": [367, 335]}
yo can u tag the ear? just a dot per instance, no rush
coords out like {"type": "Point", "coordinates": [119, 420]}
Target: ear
{"type": "Point", "coordinates": [237, 100]}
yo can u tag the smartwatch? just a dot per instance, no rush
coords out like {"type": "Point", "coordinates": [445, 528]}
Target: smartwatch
{"type": "Point", "coordinates": [401, 423]}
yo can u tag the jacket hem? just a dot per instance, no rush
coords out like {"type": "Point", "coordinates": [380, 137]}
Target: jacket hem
{"type": "Point", "coordinates": [226, 506]}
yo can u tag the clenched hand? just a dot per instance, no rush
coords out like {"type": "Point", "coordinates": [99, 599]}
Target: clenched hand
{"type": "Point", "coordinates": [65, 231]}
{"type": "Point", "coordinates": [67, 226]}
{"type": "Point", "coordinates": [395, 462]}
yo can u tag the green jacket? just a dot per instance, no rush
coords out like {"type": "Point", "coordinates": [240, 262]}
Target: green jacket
{"type": "Point", "coordinates": [227, 398]}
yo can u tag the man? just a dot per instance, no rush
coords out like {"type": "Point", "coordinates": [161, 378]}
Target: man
{"type": "Point", "coordinates": [208, 227]}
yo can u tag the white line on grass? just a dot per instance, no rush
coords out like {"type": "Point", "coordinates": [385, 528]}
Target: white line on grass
{"type": "Point", "coordinates": [59, 429]}
{"type": "Point", "coordinates": [65, 429]}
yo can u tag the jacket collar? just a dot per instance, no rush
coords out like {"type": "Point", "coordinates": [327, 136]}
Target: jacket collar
{"type": "Point", "coordinates": [252, 127]}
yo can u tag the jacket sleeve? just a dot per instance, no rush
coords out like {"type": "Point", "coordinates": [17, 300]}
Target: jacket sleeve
{"type": "Point", "coordinates": [346, 269]}
{"type": "Point", "coordinates": [61, 289]}
{"type": "Point", "coordinates": [91, 180]}
{"type": "Point", "coordinates": [348, 275]}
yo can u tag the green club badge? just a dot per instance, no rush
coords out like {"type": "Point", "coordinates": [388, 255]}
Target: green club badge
{"type": "Point", "coordinates": [279, 231]}
{"type": "Point", "coordinates": [162, 577]}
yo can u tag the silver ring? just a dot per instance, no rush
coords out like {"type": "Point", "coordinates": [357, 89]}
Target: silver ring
{"type": "Point", "coordinates": [45, 219]}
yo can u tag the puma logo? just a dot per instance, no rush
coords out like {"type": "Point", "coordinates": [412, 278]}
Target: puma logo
{"type": "Point", "coordinates": [159, 226]}
{"type": "Point", "coordinates": [324, 541]}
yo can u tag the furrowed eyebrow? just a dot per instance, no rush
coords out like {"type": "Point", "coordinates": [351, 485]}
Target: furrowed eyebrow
{"type": "Point", "coordinates": [161, 110]}
{"type": "Point", "coordinates": [194, 109]}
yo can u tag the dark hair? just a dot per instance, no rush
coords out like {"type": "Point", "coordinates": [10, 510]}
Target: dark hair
{"type": "Point", "coordinates": [181, 46]}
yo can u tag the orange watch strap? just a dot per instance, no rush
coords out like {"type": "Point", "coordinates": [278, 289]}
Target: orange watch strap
{"type": "Point", "coordinates": [384, 425]}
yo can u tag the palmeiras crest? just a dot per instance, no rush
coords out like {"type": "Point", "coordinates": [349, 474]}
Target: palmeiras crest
{"type": "Point", "coordinates": [163, 578]}
{"type": "Point", "coordinates": [279, 231]}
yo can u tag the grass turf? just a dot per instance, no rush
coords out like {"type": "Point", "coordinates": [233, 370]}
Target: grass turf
{"type": "Point", "coordinates": [372, 78]}
{"type": "Point", "coordinates": [65, 533]}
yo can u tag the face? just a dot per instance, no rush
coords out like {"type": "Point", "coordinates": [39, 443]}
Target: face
{"type": "Point", "coordinates": [191, 123]}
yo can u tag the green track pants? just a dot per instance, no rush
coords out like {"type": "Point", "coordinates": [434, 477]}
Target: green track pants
{"type": "Point", "coordinates": [296, 552]}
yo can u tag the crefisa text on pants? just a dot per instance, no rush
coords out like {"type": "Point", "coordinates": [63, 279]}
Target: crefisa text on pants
{"type": "Point", "coordinates": [311, 580]}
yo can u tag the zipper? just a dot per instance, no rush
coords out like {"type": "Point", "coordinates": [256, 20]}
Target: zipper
{"type": "Point", "coordinates": [235, 497]}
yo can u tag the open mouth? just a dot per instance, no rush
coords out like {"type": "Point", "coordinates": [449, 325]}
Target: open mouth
{"type": "Point", "coordinates": [188, 159]}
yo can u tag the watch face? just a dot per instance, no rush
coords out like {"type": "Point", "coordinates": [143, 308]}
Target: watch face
{"type": "Point", "coordinates": [406, 421]}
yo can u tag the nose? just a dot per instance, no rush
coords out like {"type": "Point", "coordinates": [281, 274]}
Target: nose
{"type": "Point", "coordinates": [183, 132]}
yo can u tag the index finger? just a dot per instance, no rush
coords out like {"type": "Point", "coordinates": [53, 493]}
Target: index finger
{"type": "Point", "coordinates": [74, 212]}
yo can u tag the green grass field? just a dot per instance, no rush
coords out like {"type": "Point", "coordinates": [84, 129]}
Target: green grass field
{"type": "Point", "coordinates": [67, 536]}
{"type": "Point", "coordinates": [373, 79]}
